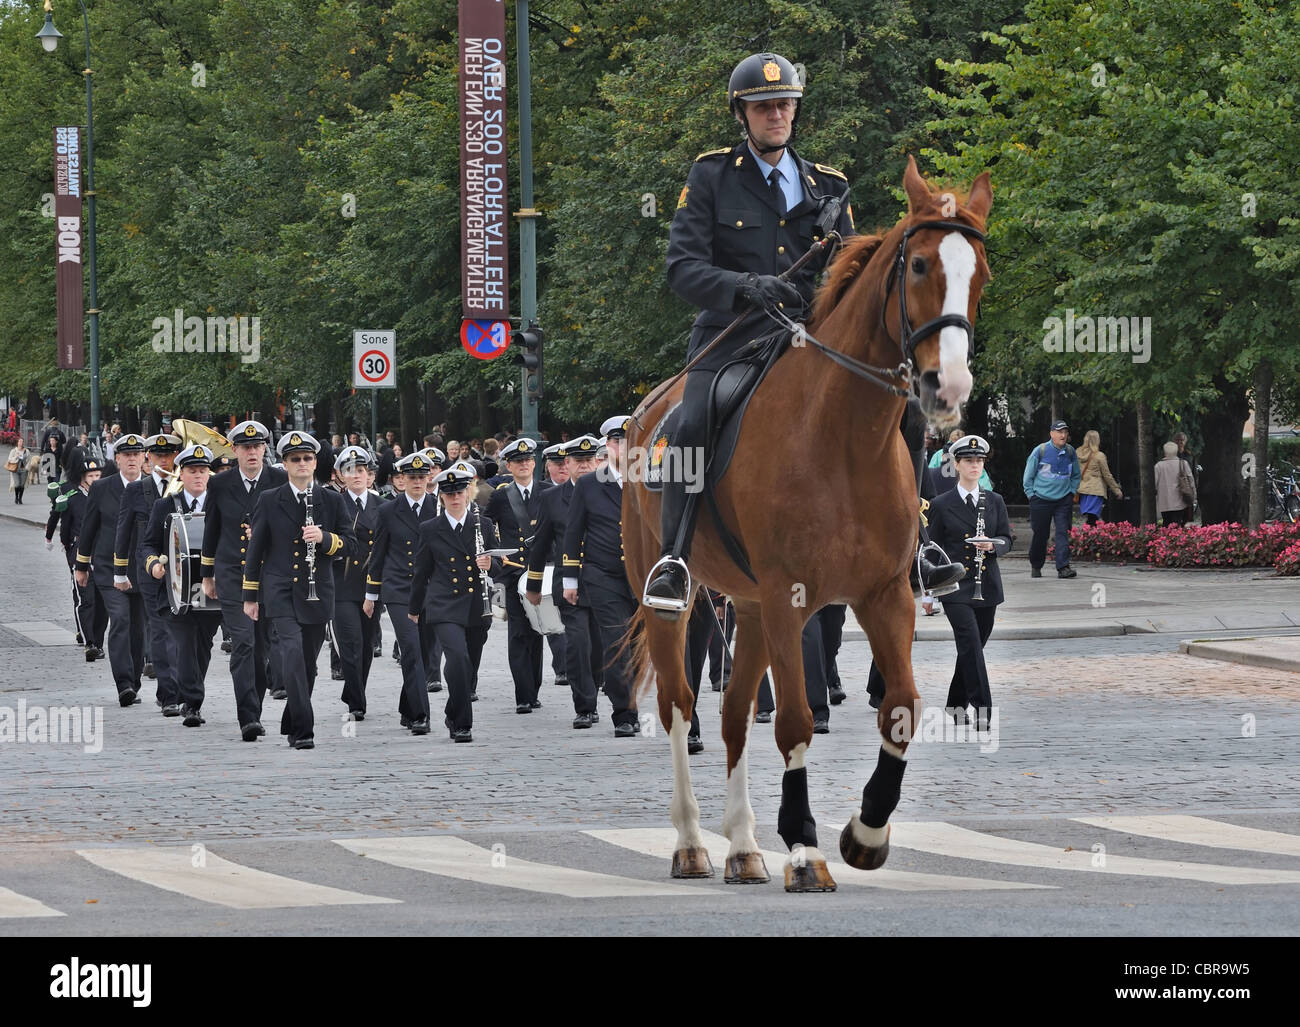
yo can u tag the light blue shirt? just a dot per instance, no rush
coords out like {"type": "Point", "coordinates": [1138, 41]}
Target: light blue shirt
{"type": "Point", "coordinates": [790, 184]}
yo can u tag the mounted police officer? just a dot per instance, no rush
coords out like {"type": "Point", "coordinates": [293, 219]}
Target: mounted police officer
{"type": "Point", "coordinates": [746, 215]}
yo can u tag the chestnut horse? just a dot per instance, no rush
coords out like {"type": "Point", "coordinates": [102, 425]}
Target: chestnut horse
{"type": "Point", "coordinates": [854, 544]}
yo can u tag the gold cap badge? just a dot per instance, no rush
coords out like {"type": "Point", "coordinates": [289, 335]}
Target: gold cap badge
{"type": "Point", "coordinates": [771, 71]}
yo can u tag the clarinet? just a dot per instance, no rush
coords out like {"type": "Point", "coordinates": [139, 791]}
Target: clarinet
{"type": "Point", "coordinates": [478, 551]}
{"type": "Point", "coordinates": [312, 597]}
{"type": "Point", "coordinates": [978, 594]}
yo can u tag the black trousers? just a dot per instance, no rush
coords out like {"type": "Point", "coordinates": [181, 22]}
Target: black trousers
{"type": "Point", "coordinates": [414, 701]}
{"type": "Point", "coordinates": [462, 647]}
{"type": "Point", "coordinates": [1043, 514]}
{"type": "Point", "coordinates": [88, 609]}
{"type": "Point", "coordinates": [355, 634]}
{"type": "Point", "coordinates": [582, 654]}
{"type": "Point", "coordinates": [971, 627]}
{"type": "Point", "coordinates": [250, 646]}
{"type": "Point", "coordinates": [613, 609]}
{"type": "Point", "coordinates": [161, 649]}
{"type": "Point", "coordinates": [190, 636]}
{"type": "Point", "coordinates": [297, 649]}
{"type": "Point", "coordinates": [432, 650]}
{"type": "Point", "coordinates": [720, 647]}
{"type": "Point", "coordinates": [559, 658]}
{"type": "Point", "coordinates": [524, 648]}
{"type": "Point", "coordinates": [125, 637]}
{"type": "Point", "coordinates": [815, 683]}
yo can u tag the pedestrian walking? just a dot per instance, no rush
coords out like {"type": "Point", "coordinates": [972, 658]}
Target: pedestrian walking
{"type": "Point", "coordinates": [1175, 488]}
{"type": "Point", "coordinates": [1095, 479]}
{"type": "Point", "coordinates": [1051, 479]}
{"type": "Point", "coordinates": [16, 465]}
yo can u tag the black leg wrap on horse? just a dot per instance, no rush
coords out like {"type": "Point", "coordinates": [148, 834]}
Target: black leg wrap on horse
{"type": "Point", "coordinates": [794, 820]}
{"type": "Point", "coordinates": [880, 797]}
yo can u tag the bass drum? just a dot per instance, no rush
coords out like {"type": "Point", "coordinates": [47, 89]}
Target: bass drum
{"type": "Point", "coordinates": [184, 551]}
{"type": "Point", "coordinates": [544, 618]}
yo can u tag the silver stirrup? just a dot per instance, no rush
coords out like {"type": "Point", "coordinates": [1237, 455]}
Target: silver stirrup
{"type": "Point", "coordinates": [659, 602]}
{"type": "Point", "coordinates": [942, 590]}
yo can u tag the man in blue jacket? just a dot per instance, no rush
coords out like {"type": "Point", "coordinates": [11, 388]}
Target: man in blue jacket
{"type": "Point", "coordinates": [1052, 476]}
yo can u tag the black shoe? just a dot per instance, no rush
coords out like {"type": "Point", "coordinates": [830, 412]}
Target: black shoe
{"type": "Point", "coordinates": [716, 685]}
{"type": "Point", "coordinates": [251, 731]}
{"type": "Point", "coordinates": [595, 717]}
{"type": "Point", "coordinates": [665, 592]}
{"type": "Point", "coordinates": [939, 578]}
{"type": "Point", "coordinates": [473, 697]}
{"type": "Point", "coordinates": [1067, 572]}
{"type": "Point", "coordinates": [435, 686]}
{"type": "Point", "coordinates": [336, 675]}
{"type": "Point", "coordinates": [821, 727]}
{"type": "Point", "coordinates": [763, 717]}
{"type": "Point", "coordinates": [279, 693]}
{"type": "Point", "coordinates": [562, 682]}
{"type": "Point", "coordinates": [99, 652]}
{"type": "Point", "coordinates": [378, 652]}
{"type": "Point", "coordinates": [836, 694]}
{"type": "Point", "coordinates": [582, 720]}
{"type": "Point", "coordinates": [226, 646]}
{"type": "Point", "coordinates": [395, 655]}
{"type": "Point", "coordinates": [127, 697]}
{"type": "Point", "coordinates": [90, 654]}
{"type": "Point", "coordinates": [172, 709]}
{"type": "Point", "coordinates": [406, 721]}
{"type": "Point", "coordinates": [260, 730]}
{"type": "Point", "coordinates": [462, 735]}
{"type": "Point", "coordinates": [420, 727]}
{"type": "Point", "coordinates": [357, 715]}
{"type": "Point", "coordinates": [1035, 572]}
{"type": "Point", "coordinates": [694, 744]}
{"type": "Point", "coordinates": [524, 707]}
{"type": "Point", "coordinates": [149, 672]}
{"type": "Point", "coordinates": [625, 730]}
{"type": "Point", "coordinates": [80, 640]}
{"type": "Point", "coordinates": [536, 704]}
{"type": "Point", "coordinates": [191, 715]}
{"type": "Point", "coordinates": [303, 743]}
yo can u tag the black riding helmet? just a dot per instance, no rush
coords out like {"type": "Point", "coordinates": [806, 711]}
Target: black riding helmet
{"type": "Point", "coordinates": [764, 76]}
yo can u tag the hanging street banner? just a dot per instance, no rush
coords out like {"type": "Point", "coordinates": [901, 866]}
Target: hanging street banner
{"type": "Point", "coordinates": [484, 259]}
{"type": "Point", "coordinates": [67, 247]}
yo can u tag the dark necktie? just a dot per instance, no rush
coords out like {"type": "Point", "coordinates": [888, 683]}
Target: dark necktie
{"type": "Point", "coordinates": [302, 506]}
{"type": "Point", "coordinates": [459, 532]}
{"type": "Point", "coordinates": [359, 506]}
{"type": "Point", "coordinates": [970, 501]}
{"type": "Point", "coordinates": [416, 510]}
{"type": "Point", "coordinates": [251, 486]}
{"type": "Point", "coordinates": [778, 194]}
{"type": "Point", "coordinates": [525, 495]}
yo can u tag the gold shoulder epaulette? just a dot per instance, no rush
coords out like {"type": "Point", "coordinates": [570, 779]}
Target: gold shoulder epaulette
{"type": "Point", "coordinates": [831, 171]}
{"type": "Point", "coordinates": [503, 484]}
{"type": "Point", "coordinates": [714, 153]}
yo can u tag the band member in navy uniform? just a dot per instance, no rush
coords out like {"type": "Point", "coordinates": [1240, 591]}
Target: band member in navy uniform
{"type": "Point", "coordinates": [232, 497]}
{"type": "Point", "coordinates": [95, 553]}
{"type": "Point", "coordinates": [553, 460]}
{"type": "Point", "coordinates": [392, 567]}
{"type": "Point", "coordinates": [449, 591]}
{"type": "Point", "coordinates": [354, 629]}
{"type": "Point", "coordinates": [89, 610]}
{"type": "Point", "coordinates": [582, 649]}
{"type": "Point", "coordinates": [747, 213]}
{"type": "Point", "coordinates": [137, 504]}
{"type": "Point", "coordinates": [428, 638]}
{"type": "Point", "coordinates": [286, 556]}
{"type": "Point", "coordinates": [594, 573]}
{"type": "Point", "coordinates": [190, 634]}
{"type": "Point", "coordinates": [514, 509]}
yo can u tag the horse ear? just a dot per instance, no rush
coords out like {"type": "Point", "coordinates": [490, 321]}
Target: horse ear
{"type": "Point", "coordinates": [918, 193]}
{"type": "Point", "coordinates": [981, 197]}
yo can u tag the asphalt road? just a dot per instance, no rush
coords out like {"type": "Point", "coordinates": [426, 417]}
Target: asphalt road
{"type": "Point", "coordinates": [537, 829]}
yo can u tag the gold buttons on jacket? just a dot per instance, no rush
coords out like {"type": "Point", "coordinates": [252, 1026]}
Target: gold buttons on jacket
{"type": "Point", "coordinates": [780, 249]}
{"type": "Point", "coordinates": [781, 222]}
{"type": "Point", "coordinates": [740, 224]}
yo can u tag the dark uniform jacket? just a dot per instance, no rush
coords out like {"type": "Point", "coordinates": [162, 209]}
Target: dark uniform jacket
{"type": "Point", "coordinates": [448, 586]}
{"type": "Point", "coordinates": [153, 543]}
{"type": "Point", "coordinates": [501, 512]}
{"type": "Point", "coordinates": [133, 513]}
{"type": "Point", "coordinates": [593, 538]}
{"type": "Point", "coordinates": [392, 560]}
{"type": "Point", "coordinates": [228, 511]}
{"type": "Point", "coordinates": [727, 225]}
{"type": "Point", "coordinates": [277, 555]}
{"type": "Point", "coordinates": [74, 513]}
{"type": "Point", "coordinates": [548, 544]}
{"type": "Point", "coordinates": [95, 544]}
{"type": "Point", "coordinates": [951, 523]}
{"type": "Point", "coordinates": [350, 571]}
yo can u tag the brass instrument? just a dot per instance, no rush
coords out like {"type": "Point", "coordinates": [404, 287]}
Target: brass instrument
{"type": "Point", "coordinates": [194, 434]}
{"type": "Point", "coordinates": [478, 551]}
{"type": "Point", "coordinates": [312, 597]}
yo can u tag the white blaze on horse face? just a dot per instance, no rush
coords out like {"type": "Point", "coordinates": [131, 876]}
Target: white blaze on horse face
{"type": "Point", "coordinates": [958, 258]}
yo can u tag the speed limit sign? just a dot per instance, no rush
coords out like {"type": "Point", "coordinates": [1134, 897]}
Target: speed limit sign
{"type": "Point", "coordinates": [374, 358]}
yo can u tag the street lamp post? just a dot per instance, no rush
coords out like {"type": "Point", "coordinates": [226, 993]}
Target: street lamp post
{"type": "Point", "coordinates": [49, 37]}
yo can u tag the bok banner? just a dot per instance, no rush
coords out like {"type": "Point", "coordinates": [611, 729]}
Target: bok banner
{"type": "Point", "coordinates": [484, 257]}
{"type": "Point", "coordinates": [67, 246]}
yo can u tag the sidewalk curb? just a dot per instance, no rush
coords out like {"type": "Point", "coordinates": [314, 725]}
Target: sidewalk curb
{"type": "Point", "coordinates": [1022, 633]}
{"type": "Point", "coordinates": [22, 520]}
{"type": "Point", "coordinates": [1221, 649]}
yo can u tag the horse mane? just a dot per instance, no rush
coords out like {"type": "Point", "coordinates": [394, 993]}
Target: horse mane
{"type": "Point", "coordinates": [853, 257]}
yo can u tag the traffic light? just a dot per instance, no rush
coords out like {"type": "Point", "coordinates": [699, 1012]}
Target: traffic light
{"type": "Point", "coordinates": [528, 355]}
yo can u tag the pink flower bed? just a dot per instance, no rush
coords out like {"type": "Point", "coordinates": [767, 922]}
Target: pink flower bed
{"type": "Point", "coordinates": [1211, 545]}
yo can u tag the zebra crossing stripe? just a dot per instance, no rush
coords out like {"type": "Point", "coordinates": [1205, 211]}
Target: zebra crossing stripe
{"type": "Point", "coordinates": [961, 843]}
{"type": "Point", "coordinates": [220, 881]}
{"type": "Point", "coordinates": [14, 905]}
{"type": "Point", "coordinates": [1201, 831]}
{"type": "Point", "coordinates": [660, 843]}
{"type": "Point", "coordinates": [465, 861]}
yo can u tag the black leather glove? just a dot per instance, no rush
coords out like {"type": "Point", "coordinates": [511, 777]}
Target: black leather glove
{"type": "Point", "coordinates": [768, 291]}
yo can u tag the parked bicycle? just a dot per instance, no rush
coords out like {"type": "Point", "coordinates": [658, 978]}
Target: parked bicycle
{"type": "Point", "coordinates": [1282, 496]}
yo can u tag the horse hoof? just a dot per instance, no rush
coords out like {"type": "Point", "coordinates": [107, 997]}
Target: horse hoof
{"type": "Point", "coordinates": [692, 863]}
{"type": "Point", "coordinates": [864, 857]}
{"type": "Point", "coordinates": [746, 868]}
{"type": "Point", "coordinates": [809, 877]}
